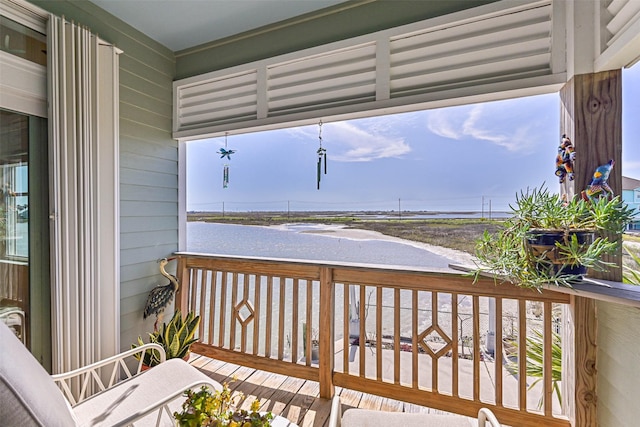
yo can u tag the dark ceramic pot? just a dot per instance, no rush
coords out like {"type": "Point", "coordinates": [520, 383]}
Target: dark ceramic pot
{"type": "Point", "coordinates": [543, 243]}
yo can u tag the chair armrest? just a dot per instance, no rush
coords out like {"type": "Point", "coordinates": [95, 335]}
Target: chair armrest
{"type": "Point", "coordinates": [335, 419]}
{"type": "Point", "coordinates": [484, 415]}
{"type": "Point", "coordinates": [90, 377]}
{"type": "Point", "coordinates": [149, 398]}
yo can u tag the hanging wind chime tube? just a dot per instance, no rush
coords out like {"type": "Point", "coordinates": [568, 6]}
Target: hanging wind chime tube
{"type": "Point", "coordinates": [225, 169]}
{"type": "Point", "coordinates": [225, 176]}
{"type": "Point", "coordinates": [225, 152]}
{"type": "Point", "coordinates": [322, 156]}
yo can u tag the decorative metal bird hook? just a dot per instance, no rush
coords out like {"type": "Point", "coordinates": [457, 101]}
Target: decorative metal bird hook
{"type": "Point", "coordinates": [161, 296]}
{"type": "Point", "coordinates": [322, 156]}
{"type": "Point", "coordinates": [226, 153]}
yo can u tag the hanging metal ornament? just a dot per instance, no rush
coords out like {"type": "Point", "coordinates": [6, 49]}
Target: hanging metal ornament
{"type": "Point", "coordinates": [225, 152]}
{"type": "Point", "coordinates": [225, 176]}
{"type": "Point", "coordinates": [322, 156]}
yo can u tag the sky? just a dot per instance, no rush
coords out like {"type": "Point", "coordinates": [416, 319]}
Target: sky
{"type": "Point", "coordinates": [465, 158]}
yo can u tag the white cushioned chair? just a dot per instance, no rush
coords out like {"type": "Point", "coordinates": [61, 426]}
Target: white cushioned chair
{"type": "Point", "coordinates": [29, 396]}
{"type": "Point", "coordinates": [369, 418]}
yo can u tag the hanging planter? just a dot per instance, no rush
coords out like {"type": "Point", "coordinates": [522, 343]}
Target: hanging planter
{"type": "Point", "coordinates": [546, 246]}
{"type": "Point", "coordinates": [549, 241]}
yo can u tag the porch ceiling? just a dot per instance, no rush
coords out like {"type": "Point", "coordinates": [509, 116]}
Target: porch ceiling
{"type": "Point", "coordinates": [180, 24]}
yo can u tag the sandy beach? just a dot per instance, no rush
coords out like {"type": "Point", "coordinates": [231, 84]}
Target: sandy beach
{"type": "Point", "coordinates": [342, 232]}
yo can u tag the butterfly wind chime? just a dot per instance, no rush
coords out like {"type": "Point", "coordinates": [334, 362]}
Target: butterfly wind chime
{"type": "Point", "coordinates": [225, 152]}
{"type": "Point", "coordinates": [322, 156]}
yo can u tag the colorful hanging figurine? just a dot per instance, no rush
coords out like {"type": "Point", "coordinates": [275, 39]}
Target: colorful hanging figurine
{"type": "Point", "coordinates": [598, 186]}
{"type": "Point", "coordinates": [564, 160]}
{"type": "Point", "coordinates": [322, 156]}
{"type": "Point", "coordinates": [225, 152]}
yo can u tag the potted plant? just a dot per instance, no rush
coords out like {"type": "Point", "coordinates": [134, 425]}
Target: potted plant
{"type": "Point", "coordinates": [548, 240]}
{"type": "Point", "coordinates": [315, 343]}
{"type": "Point", "coordinates": [204, 408]}
{"type": "Point", "coordinates": [175, 337]}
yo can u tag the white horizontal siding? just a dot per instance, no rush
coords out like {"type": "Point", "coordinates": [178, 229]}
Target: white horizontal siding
{"type": "Point", "coordinates": [226, 98]}
{"type": "Point", "coordinates": [624, 14]}
{"type": "Point", "coordinates": [515, 45]}
{"type": "Point", "coordinates": [622, 48]}
{"type": "Point", "coordinates": [323, 79]}
{"type": "Point", "coordinates": [457, 56]}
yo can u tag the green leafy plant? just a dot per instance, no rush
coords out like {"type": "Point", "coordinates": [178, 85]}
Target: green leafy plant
{"type": "Point", "coordinates": [535, 362]}
{"type": "Point", "coordinates": [632, 274]}
{"type": "Point", "coordinates": [175, 337]}
{"type": "Point", "coordinates": [217, 409]}
{"type": "Point", "coordinates": [510, 253]}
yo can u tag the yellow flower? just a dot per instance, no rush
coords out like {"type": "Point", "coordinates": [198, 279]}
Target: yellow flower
{"type": "Point", "coordinates": [255, 405]}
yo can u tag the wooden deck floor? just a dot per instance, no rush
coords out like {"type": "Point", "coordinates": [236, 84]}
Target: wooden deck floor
{"type": "Point", "coordinates": [293, 398]}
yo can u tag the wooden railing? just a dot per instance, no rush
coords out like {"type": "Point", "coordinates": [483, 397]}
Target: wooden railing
{"type": "Point", "coordinates": [432, 338]}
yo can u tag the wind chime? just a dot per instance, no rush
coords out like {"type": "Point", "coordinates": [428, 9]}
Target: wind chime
{"type": "Point", "coordinates": [322, 156]}
{"type": "Point", "coordinates": [225, 152]}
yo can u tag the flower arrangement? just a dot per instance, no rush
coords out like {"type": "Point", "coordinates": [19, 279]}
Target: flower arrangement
{"type": "Point", "coordinates": [204, 408]}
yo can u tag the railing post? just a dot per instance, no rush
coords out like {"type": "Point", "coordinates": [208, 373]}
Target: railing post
{"type": "Point", "coordinates": [327, 309]}
{"type": "Point", "coordinates": [579, 362]}
{"type": "Point", "coordinates": [182, 296]}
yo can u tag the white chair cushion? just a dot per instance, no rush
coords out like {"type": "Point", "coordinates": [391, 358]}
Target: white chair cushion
{"type": "Point", "coordinates": [28, 395]}
{"type": "Point", "coordinates": [367, 418]}
{"type": "Point", "coordinates": [128, 398]}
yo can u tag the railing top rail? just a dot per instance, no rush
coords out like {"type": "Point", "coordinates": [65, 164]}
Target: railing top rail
{"type": "Point", "coordinates": [403, 277]}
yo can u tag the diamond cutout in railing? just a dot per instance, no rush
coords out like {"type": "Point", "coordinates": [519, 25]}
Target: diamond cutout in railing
{"type": "Point", "coordinates": [434, 341]}
{"type": "Point", "coordinates": [244, 311]}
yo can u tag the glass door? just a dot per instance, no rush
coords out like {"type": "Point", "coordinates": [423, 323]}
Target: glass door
{"type": "Point", "coordinates": [14, 222]}
{"type": "Point", "coordinates": [25, 301]}
{"type": "Point", "coordinates": [24, 289]}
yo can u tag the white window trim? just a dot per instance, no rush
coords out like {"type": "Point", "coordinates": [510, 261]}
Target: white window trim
{"type": "Point", "coordinates": [248, 98]}
{"type": "Point", "coordinates": [23, 87]}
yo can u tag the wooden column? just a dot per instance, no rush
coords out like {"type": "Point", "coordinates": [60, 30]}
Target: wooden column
{"type": "Point", "coordinates": [591, 115]}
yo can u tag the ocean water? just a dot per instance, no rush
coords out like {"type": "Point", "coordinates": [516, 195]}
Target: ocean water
{"type": "Point", "coordinates": [305, 242]}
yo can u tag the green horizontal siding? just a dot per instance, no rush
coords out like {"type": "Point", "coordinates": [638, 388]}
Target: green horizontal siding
{"type": "Point", "coordinates": [148, 157]}
{"type": "Point", "coordinates": [617, 364]}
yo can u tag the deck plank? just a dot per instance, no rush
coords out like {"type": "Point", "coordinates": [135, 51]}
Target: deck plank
{"type": "Point", "coordinates": [371, 401]}
{"type": "Point", "coordinates": [293, 398]}
{"type": "Point", "coordinates": [254, 388]}
{"type": "Point", "coordinates": [298, 407]}
{"type": "Point", "coordinates": [261, 386]}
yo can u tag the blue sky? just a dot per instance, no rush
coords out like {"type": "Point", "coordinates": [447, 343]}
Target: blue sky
{"type": "Point", "coordinates": [445, 159]}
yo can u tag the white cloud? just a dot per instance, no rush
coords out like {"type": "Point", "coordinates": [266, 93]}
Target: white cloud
{"type": "Point", "coordinates": [441, 123]}
{"type": "Point", "coordinates": [361, 140]}
{"type": "Point", "coordinates": [498, 123]}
